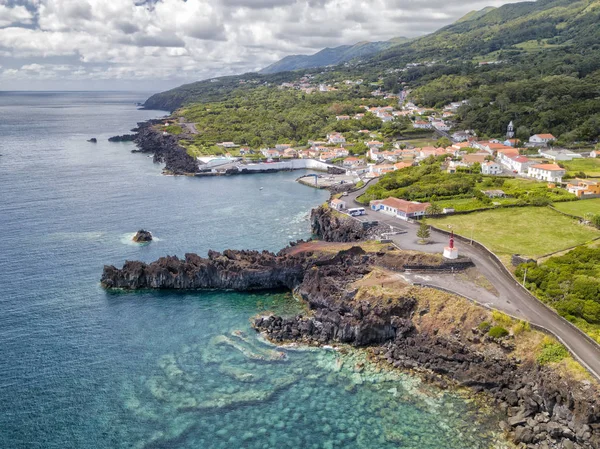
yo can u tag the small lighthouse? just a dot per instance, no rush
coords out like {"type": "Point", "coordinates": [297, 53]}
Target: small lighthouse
{"type": "Point", "coordinates": [450, 252]}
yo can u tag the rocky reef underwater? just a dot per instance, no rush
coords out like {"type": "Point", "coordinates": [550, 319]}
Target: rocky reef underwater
{"type": "Point", "coordinates": [237, 390]}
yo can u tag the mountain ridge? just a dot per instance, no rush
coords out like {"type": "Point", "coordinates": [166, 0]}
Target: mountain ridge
{"type": "Point", "coordinates": [331, 56]}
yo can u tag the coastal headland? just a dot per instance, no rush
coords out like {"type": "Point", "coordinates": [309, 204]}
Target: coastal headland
{"type": "Point", "coordinates": [358, 293]}
{"type": "Point", "coordinates": [166, 148]}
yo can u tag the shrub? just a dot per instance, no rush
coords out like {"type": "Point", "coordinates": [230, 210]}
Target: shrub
{"type": "Point", "coordinates": [484, 326]}
{"type": "Point", "coordinates": [520, 327]}
{"type": "Point", "coordinates": [501, 318]}
{"type": "Point", "coordinates": [551, 352]}
{"type": "Point", "coordinates": [497, 332]}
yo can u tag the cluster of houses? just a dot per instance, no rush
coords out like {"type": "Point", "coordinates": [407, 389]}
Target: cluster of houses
{"type": "Point", "coordinates": [431, 120]}
{"type": "Point", "coordinates": [306, 85]}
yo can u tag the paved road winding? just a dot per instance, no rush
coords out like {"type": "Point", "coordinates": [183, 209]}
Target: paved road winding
{"type": "Point", "coordinates": [512, 298]}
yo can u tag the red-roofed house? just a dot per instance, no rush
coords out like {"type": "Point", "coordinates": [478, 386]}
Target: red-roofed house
{"type": "Point", "coordinates": [351, 161]}
{"type": "Point", "coordinates": [401, 165]}
{"type": "Point", "coordinates": [507, 152]}
{"type": "Point", "coordinates": [337, 204]}
{"type": "Point", "coordinates": [335, 138]}
{"type": "Point", "coordinates": [546, 172]}
{"type": "Point", "coordinates": [518, 164]}
{"type": "Point", "coordinates": [400, 208]}
{"type": "Point", "coordinates": [431, 151]}
{"type": "Point", "coordinates": [473, 158]}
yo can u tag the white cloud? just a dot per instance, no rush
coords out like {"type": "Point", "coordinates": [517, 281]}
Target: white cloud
{"type": "Point", "coordinates": [14, 15]}
{"type": "Point", "coordinates": [181, 40]}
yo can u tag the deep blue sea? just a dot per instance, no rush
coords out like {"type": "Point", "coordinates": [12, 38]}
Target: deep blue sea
{"type": "Point", "coordinates": [83, 368]}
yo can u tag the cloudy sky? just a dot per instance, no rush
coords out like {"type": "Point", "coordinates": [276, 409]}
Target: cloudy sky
{"type": "Point", "coordinates": [158, 44]}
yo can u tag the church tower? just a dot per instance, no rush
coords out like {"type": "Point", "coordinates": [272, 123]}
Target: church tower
{"type": "Point", "coordinates": [510, 132]}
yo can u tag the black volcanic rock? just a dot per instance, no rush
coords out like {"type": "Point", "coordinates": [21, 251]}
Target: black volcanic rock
{"type": "Point", "coordinates": [93, 140]}
{"type": "Point", "coordinates": [123, 138]}
{"type": "Point", "coordinates": [142, 236]}
{"type": "Point", "coordinates": [231, 270]}
{"type": "Point", "coordinates": [165, 148]}
{"type": "Point", "coordinates": [332, 226]}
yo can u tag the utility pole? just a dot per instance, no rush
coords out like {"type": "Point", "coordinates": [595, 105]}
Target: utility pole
{"type": "Point", "coordinates": [524, 277]}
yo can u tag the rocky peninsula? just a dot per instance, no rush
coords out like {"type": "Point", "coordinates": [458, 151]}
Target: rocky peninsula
{"type": "Point", "coordinates": [165, 148]}
{"type": "Point", "coordinates": [356, 294]}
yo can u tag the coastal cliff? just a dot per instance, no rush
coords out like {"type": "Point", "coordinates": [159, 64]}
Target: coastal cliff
{"type": "Point", "coordinates": [332, 226]}
{"type": "Point", "coordinates": [230, 270]}
{"type": "Point", "coordinates": [165, 148]}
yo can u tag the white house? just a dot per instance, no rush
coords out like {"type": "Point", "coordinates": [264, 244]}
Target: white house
{"type": "Point", "coordinates": [421, 124]}
{"type": "Point", "coordinates": [441, 126]}
{"type": "Point", "coordinates": [518, 164]}
{"type": "Point", "coordinates": [546, 172]}
{"type": "Point", "coordinates": [491, 168]}
{"type": "Point", "coordinates": [541, 139]}
{"type": "Point", "coordinates": [338, 204]}
{"type": "Point", "coordinates": [375, 144]}
{"type": "Point", "coordinates": [227, 145]}
{"type": "Point", "coordinates": [400, 208]}
{"type": "Point", "coordinates": [335, 138]}
{"type": "Point", "coordinates": [461, 136]}
{"type": "Point", "coordinates": [595, 153]}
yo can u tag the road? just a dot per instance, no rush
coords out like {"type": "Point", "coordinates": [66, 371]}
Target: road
{"type": "Point", "coordinates": [511, 297]}
{"type": "Point", "coordinates": [191, 127]}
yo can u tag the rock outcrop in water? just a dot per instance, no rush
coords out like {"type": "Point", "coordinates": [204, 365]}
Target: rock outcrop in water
{"type": "Point", "coordinates": [123, 138]}
{"type": "Point", "coordinates": [230, 270]}
{"type": "Point", "coordinates": [142, 236]}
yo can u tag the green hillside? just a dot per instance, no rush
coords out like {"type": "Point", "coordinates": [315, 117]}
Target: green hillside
{"type": "Point", "coordinates": [536, 63]}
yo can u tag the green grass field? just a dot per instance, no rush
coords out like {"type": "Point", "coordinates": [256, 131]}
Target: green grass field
{"type": "Point", "coordinates": [419, 143]}
{"type": "Point", "coordinates": [530, 231]}
{"type": "Point", "coordinates": [590, 167]}
{"type": "Point", "coordinates": [580, 208]}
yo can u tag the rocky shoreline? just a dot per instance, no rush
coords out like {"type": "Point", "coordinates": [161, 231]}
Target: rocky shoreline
{"type": "Point", "coordinates": [165, 148]}
{"type": "Point", "coordinates": [411, 328]}
{"type": "Point", "coordinates": [543, 408]}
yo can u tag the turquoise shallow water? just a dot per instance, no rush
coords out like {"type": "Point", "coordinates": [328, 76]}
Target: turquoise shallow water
{"type": "Point", "coordinates": [82, 368]}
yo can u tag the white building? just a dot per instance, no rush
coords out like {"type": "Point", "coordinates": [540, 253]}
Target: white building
{"type": "Point", "coordinates": [541, 139]}
{"type": "Point", "coordinates": [518, 164]}
{"type": "Point", "coordinates": [546, 172]}
{"type": "Point", "coordinates": [335, 138]}
{"type": "Point", "coordinates": [338, 204]}
{"type": "Point", "coordinates": [441, 126]}
{"type": "Point", "coordinates": [559, 155]}
{"type": "Point", "coordinates": [491, 168]}
{"type": "Point", "coordinates": [421, 124]}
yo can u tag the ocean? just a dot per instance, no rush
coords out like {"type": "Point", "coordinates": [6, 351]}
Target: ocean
{"type": "Point", "coordinates": [84, 368]}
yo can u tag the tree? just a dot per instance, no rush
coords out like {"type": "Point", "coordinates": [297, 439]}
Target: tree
{"type": "Point", "coordinates": [433, 209]}
{"type": "Point", "coordinates": [443, 142]}
{"type": "Point", "coordinates": [423, 233]}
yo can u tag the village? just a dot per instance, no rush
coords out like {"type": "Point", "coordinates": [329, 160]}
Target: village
{"type": "Point", "coordinates": [364, 155]}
